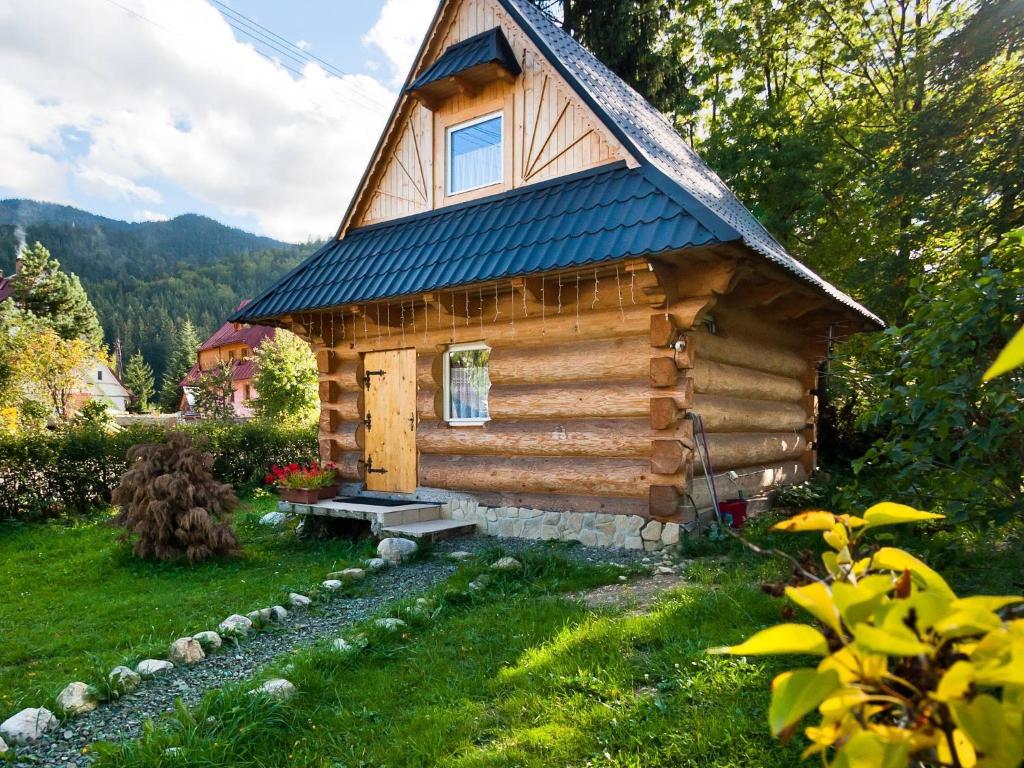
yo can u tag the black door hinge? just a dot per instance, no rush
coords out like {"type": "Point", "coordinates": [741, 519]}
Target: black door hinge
{"type": "Point", "coordinates": [368, 374]}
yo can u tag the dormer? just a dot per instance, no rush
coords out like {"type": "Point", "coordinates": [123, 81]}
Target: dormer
{"type": "Point", "coordinates": [483, 112]}
{"type": "Point", "coordinates": [465, 68]}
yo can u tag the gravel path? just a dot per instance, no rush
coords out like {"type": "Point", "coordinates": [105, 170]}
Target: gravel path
{"type": "Point", "coordinates": [122, 719]}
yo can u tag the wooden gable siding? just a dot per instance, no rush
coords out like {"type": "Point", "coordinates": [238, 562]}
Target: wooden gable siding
{"type": "Point", "coordinates": [549, 132]}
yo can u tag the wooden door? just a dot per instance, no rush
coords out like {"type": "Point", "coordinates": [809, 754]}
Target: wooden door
{"type": "Point", "coordinates": [389, 417]}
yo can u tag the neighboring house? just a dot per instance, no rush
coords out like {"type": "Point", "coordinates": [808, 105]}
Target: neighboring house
{"type": "Point", "coordinates": [537, 288]}
{"type": "Point", "coordinates": [104, 384]}
{"type": "Point", "coordinates": [234, 344]}
{"type": "Point", "coordinates": [100, 380]}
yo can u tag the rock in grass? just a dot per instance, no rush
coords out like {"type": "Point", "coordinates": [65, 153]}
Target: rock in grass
{"type": "Point", "coordinates": [76, 699]}
{"type": "Point", "coordinates": [349, 574]}
{"type": "Point", "coordinates": [122, 680]}
{"type": "Point", "coordinates": [209, 640]}
{"type": "Point", "coordinates": [235, 625]}
{"type": "Point", "coordinates": [299, 601]}
{"type": "Point", "coordinates": [459, 555]}
{"type": "Point", "coordinates": [479, 582]}
{"type": "Point", "coordinates": [376, 563]}
{"type": "Point", "coordinates": [396, 550]}
{"type": "Point", "coordinates": [332, 584]}
{"type": "Point", "coordinates": [186, 650]}
{"type": "Point", "coordinates": [389, 624]}
{"type": "Point", "coordinates": [28, 725]}
{"type": "Point", "coordinates": [665, 570]}
{"type": "Point", "coordinates": [278, 613]}
{"type": "Point", "coordinates": [278, 688]}
{"type": "Point", "coordinates": [341, 645]}
{"type": "Point", "coordinates": [152, 667]}
{"type": "Point", "coordinates": [506, 564]}
{"type": "Point", "coordinates": [3, 746]}
{"type": "Point", "coordinates": [274, 518]}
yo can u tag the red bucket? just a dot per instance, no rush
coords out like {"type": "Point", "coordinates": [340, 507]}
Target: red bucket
{"type": "Point", "coordinates": [734, 512]}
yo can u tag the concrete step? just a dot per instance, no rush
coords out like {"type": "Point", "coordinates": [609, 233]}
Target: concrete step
{"type": "Point", "coordinates": [430, 530]}
{"type": "Point", "coordinates": [412, 513]}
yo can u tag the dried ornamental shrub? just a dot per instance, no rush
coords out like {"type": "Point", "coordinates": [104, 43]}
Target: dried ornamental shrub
{"type": "Point", "coordinates": [170, 500]}
{"type": "Point", "coordinates": [909, 672]}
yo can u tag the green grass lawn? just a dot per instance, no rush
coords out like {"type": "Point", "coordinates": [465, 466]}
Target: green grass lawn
{"type": "Point", "coordinates": [76, 603]}
{"type": "Point", "coordinates": [521, 675]}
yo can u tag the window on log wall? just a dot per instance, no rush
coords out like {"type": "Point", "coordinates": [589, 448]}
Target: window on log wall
{"type": "Point", "coordinates": [466, 384]}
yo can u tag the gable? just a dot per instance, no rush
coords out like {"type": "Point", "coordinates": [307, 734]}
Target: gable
{"type": "Point", "coordinates": [548, 130]}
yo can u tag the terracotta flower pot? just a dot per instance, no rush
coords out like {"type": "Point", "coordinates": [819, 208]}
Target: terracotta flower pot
{"type": "Point", "coordinates": [329, 492]}
{"type": "Point", "coordinates": [300, 495]}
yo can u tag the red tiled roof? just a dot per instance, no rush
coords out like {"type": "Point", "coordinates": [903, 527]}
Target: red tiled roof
{"type": "Point", "coordinates": [250, 335]}
{"type": "Point", "coordinates": [6, 289]}
{"type": "Point", "coordinates": [241, 370]}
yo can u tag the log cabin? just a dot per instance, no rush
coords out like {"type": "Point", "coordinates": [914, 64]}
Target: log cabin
{"type": "Point", "coordinates": [538, 287]}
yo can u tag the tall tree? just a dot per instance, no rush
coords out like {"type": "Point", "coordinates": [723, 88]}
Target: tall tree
{"type": "Point", "coordinates": [138, 377]}
{"type": "Point", "coordinates": [51, 369]}
{"type": "Point", "coordinates": [286, 381]}
{"type": "Point", "coordinates": [182, 357]}
{"type": "Point", "coordinates": [215, 391]}
{"type": "Point", "coordinates": [41, 288]}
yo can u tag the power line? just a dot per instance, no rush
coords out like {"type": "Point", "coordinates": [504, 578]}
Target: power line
{"type": "Point", "coordinates": [303, 58]}
{"type": "Point", "coordinates": [261, 34]}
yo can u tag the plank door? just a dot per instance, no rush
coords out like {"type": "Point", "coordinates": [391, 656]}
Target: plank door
{"type": "Point", "coordinates": [389, 420]}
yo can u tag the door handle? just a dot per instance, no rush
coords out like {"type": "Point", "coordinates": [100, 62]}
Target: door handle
{"type": "Point", "coordinates": [412, 423]}
{"type": "Point", "coordinates": [368, 421]}
{"type": "Point", "coordinates": [372, 470]}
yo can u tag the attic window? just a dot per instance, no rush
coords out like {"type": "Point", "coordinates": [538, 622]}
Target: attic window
{"type": "Point", "coordinates": [474, 154]}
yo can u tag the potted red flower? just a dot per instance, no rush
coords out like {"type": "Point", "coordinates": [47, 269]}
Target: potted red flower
{"type": "Point", "coordinates": [304, 483]}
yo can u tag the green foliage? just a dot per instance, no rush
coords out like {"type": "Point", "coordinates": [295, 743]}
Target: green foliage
{"type": "Point", "coordinates": [215, 393]}
{"type": "Point", "coordinates": [55, 297]}
{"type": "Point", "coordinates": [946, 437]}
{"type": "Point", "coordinates": [909, 672]}
{"type": "Point", "coordinates": [286, 381]}
{"type": "Point", "coordinates": [138, 377]}
{"type": "Point", "coordinates": [95, 414]}
{"type": "Point", "coordinates": [181, 359]}
{"type": "Point", "coordinates": [72, 471]}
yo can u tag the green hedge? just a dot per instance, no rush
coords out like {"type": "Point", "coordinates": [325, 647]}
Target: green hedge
{"type": "Point", "coordinates": [73, 471]}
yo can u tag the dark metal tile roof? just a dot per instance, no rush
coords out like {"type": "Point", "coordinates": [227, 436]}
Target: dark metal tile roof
{"type": "Point", "coordinates": [650, 135]}
{"type": "Point", "coordinates": [612, 212]}
{"type": "Point", "coordinates": [484, 48]}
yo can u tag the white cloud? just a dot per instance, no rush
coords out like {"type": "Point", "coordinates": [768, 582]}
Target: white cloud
{"type": "Point", "coordinates": [150, 216]}
{"type": "Point", "coordinates": [100, 100]}
{"type": "Point", "coordinates": [399, 31]}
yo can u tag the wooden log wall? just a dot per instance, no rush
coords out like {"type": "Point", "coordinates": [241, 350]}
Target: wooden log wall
{"type": "Point", "coordinates": [570, 399]}
{"type": "Point", "coordinates": [590, 401]}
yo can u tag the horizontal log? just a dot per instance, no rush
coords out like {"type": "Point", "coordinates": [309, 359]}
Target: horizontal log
{"type": "Point", "coordinates": [748, 353]}
{"type": "Point", "coordinates": [759, 327]}
{"type": "Point", "coordinates": [744, 449]}
{"type": "Point", "coordinates": [347, 462]}
{"type": "Point", "coordinates": [345, 434]}
{"type": "Point", "coordinates": [752, 481]}
{"type": "Point", "coordinates": [714, 378]}
{"type": "Point", "coordinates": [629, 478]}
{"type": "Point", "coordinates": [346, 408]}
{"type": "Point", "coordinates": [620, 399]}
{"type": "Point", "coordinates": [731, 414]}
{"type": "Point", "coordinates": [344, 376]}
{"type": "Point", "coordinates": [557, 361]}
{"type": "Point", "coordinates": [623, 438]}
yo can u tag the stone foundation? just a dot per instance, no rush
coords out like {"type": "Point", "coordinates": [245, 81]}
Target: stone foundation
{"type": "Point", "coordinates": [592, 529]}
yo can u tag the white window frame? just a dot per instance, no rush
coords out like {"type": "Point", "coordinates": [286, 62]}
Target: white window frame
{"type": "Point", "coordinates": [446, 383]}
{"type": "Point", "coordinates": [451, 129]}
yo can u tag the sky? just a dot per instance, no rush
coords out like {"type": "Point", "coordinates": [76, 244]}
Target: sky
{"type": "Point", "coordinates": [146, 109]}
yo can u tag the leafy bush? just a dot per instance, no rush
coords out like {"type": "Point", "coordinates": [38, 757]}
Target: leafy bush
{"type": "Point", "coordinates": [947, 439]}
{"type": "Point", "coordinates": [909, 672]}
{"type": "Point", "coordinates": [74, 470]}
{"type": "Point", "coordinates": [171, 505]}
